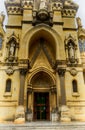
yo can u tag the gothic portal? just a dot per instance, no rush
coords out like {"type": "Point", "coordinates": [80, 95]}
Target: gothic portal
{"type": "Point", "coordinates": [42, 62]}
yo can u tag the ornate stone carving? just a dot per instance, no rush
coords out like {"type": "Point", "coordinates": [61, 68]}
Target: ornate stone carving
{"type": "Point", "coordinates": [13, 6]}
{"type": "Point", "coordinates": [29, 89]}
{"type": "Point", "coordinates": [70, 9]}
{"type": "Point", "coordinates": [73, 72]}
{"type": "Point", "coordinates": [12, 48]}
{"type": "Point", "coordinates": [61, 72]}
{"type": "Point", "coordinates": [14, 10]}
{"type": "Point", "coordinates": [53, 89]}
{"type": "Point", "coordinates": [2, 16]}
{"type": "Point", "coordinates": [81, 30]}
{"type": "Point", "coordinates": [23, 71]}
{"type": "Point", "coordinates": [68, 12]}
{"type": "Point", "coordinates": [42, 12]}
{"type": "Point", "coordinates": [71, 4]}
{"type": "Point", "coordinates": [71, 49]}
{"type": "Point", "coordinates": [57, 5]}
{"type": "Point", "coordinates": [79, 22]}
{"type": "Point", "coordinates": [9, 71]}
{"type": "Point", "coordinates": [24, 61]}
{"type": "Point", "coordinates": [27, 3]}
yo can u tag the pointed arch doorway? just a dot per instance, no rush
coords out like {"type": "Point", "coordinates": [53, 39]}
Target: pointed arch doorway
{"type": "Point", "coordinates": [42, 97]}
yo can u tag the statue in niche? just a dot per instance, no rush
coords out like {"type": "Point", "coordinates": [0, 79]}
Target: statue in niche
{"type": "Point", "coordinates": [71, 51]}
{"type": "Point", "coordinates": [12, 48]}
{"type": "Point", "coordinates": [43, 4]}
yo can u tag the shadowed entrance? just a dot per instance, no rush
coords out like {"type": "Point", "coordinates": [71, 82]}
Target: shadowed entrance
{"type": "Point", "coordinates": [41, 96]}
{"type": "Point", "coordinates": [41, 106]}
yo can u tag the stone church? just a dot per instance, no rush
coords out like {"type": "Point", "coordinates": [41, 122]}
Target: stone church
{"type": "Point", "coordinates": [42, 62]}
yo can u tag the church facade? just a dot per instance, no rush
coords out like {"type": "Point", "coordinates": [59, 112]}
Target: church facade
{"type": "Point", "coordinates": [42, 62]}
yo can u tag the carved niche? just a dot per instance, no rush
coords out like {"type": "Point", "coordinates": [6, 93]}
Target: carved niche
{"type": "Point", "coordinates": [71, 49]}
{"type": "Point", "coordinates": [12, 48]}
{"type": "Point", "coordinates": [42, 12]}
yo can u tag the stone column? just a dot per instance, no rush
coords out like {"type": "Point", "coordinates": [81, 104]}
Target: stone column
{"type": "Point", "coordinates": [29, 115]}
{"type": "Point", "coordinates": [54, 97]}
{"type": "Point", "coordinates": [54, 112]}
{"type": "Point", "coordinates": [20, 112]}
{"type": "Point", "coordinates": [64, 110]}
{"type": "Point", "coordinates": [22, 83]}
{"type": "Point", "coordinates": [61, 73]}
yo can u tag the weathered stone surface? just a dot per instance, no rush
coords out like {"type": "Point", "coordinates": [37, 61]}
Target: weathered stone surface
{"type": "Point", "coordinates": [32, 55]}
{"type": "Point", "coordinates": [44, 126]}
{"type": "Point", "coordinates": [19, 115]}
{"type": "Point", "coordinates": [65, 114]}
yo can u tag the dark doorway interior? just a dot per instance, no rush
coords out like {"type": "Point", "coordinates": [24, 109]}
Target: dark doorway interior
{"type": "Point", "coordinates": [41, 106]}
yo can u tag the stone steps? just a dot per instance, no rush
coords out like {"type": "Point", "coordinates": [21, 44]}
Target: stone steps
{"type": "Point", "coordinates": [44, 126]}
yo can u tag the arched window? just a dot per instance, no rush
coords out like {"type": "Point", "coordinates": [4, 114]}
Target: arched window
{"type": "Point", "coordinates": [8, 86]}
{"type": "Point", "coordinates": [82, 45]}
{"type": "Point", "coordinates": [0, 41]}
{"type": "Point", "coordinates": [74, 84]}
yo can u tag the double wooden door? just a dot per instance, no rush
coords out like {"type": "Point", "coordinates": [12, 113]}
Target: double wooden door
{"type": "Point", "coordinates": [41, 106]}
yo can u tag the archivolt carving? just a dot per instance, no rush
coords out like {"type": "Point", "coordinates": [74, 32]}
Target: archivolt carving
{"type": "Point", "coordinates": [41, 69]}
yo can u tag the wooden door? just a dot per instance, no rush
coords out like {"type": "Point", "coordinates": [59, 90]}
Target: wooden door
{"type": "Point", "coordinates": [41, 106]}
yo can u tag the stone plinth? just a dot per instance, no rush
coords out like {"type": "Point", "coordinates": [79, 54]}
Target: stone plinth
{"type": "Point", "coordinates": [65, 114]}
{"type": "Point", "coordinates": [19, 115]}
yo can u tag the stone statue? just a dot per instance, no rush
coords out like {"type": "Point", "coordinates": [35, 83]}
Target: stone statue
{"type": "Point", "coordinates": [2, 16]}
{"type": "Point", "coordinates": [71, 51]}
{"type": "Point", "coordinates": [12, 49]}
{"type": "Point", "coordinates": [43, 4]}
{"type": "Point", "coordinates": [79, 22]}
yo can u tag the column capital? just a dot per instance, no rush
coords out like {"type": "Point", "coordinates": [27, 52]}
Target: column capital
{"type": "Point", "coordinates": [61, 71]}
{"type": "Point", "coordinates": [23, 71]}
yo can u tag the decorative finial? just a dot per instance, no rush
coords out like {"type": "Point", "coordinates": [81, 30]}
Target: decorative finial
{"type": "Point", "coordinates": [79, 23]}
{"type": "Point", "coordinates": [2, 16]}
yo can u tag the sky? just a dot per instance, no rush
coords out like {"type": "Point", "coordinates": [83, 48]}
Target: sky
{"type": "Point", "coordinates": [80, 13]}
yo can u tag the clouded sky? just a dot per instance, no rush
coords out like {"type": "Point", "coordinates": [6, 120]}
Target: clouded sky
{"type": "Point", "coordinates": [81, 10]}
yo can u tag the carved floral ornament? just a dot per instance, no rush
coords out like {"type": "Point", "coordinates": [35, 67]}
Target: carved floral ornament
{"type": "Point", "coordinates": [73, 72]}
{"type": "Point", "coordinates": [9, 71]}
